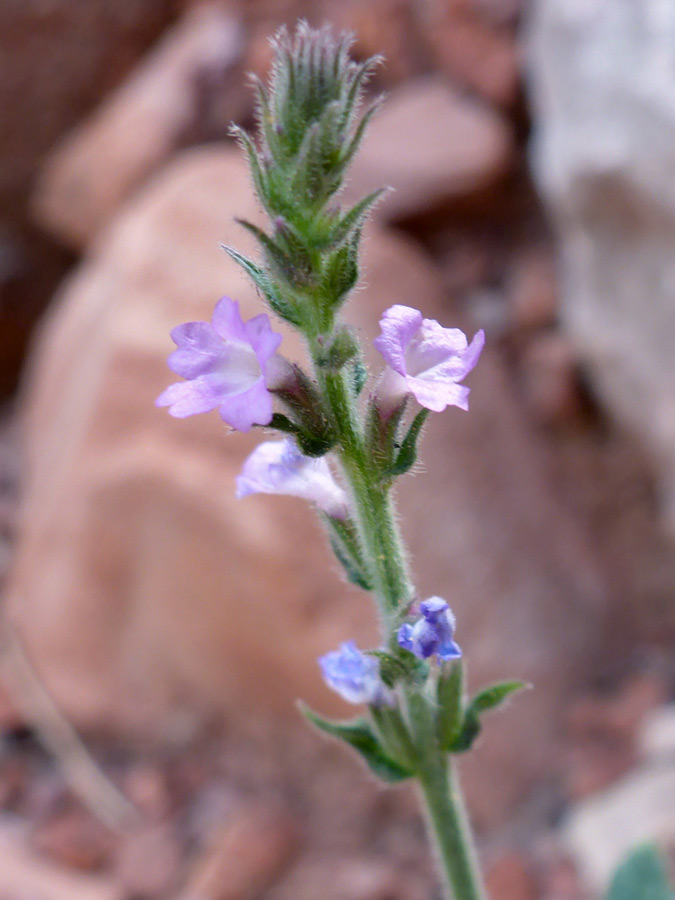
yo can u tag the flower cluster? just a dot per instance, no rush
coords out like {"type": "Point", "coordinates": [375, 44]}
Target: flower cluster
{"type": "Point", "coordinates": [338, 446]}
{"type": "Point", "coordinates": [232, 365]}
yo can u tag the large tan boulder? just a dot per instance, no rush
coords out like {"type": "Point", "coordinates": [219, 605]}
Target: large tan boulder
{"type": "Point", "coordinates": [148, 596]}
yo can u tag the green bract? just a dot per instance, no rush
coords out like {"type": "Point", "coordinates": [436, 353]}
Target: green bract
{"type": "Point", "coordinates": [309, 128]}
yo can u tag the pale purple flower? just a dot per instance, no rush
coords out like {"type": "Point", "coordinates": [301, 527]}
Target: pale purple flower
{"type": "Point", "coordinates": [354, 675]}
{"type": "Point", "coordinates": [278, 467]}
{"type": "Point", "coordinates": [425, 360]}
{"type": "Point", "coordinates": [433, 634]}
{"type": "Point", "coordinates": [228, 364]}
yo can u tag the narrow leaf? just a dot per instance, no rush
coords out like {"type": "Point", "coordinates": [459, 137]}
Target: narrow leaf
{"type": "Point", "coordinates": [264, 116]}
{"type": "Point", "coordinates": [255, 164]}
{"type": "Point", "coordinates": [355, 142]}
{"type": "Point", "coordinates": [496, 694]}
{"type": "Point", "coordinates": [407, 454]}
{"type": "Point", "coordinates": [490, 698]}
{"type": "Point", "coordinates": [450, 712]}
{"type": "Point", "coordinates": [471, 728]}
{"type": "Point", "coordinates": [359, 735]}
{"type": "Point", "coordinates": [344, 544]}
{"type": "Point", "coordinates": [355, 216]}
{"type": "Point", "coordinates": [280, 306]}
{"type": "Point", "coordinates": [276, 255]}
{"type": "Point", "coordinates": [358, 375]}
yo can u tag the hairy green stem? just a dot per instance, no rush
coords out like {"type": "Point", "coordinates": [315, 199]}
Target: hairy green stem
{"type": "Point", "coordinates": [450, 829]}
{"type": "Point", "coordinates": [375, 518]}
{"type": "Point", "coordinates": [385, 556]}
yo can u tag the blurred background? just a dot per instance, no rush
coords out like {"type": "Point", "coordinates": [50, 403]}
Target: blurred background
{"type": "Point", "coordinates": [154, 631]}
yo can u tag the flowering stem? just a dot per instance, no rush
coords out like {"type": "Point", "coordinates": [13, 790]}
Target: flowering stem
{"type": "Point", "coordinates": [385, 556]}
{"type": "Point", "coordinates": [448, 824]}
{"type": "Point", "coordinates": [375, 517]}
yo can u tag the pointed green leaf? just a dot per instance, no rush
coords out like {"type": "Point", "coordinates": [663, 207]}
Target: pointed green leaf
{"type": "Point", "coordinates": [359, 134]}
{"type": "Point", "coordinates": [407, 454]}
{"type": "Point", "coordinates": [345, 546]}
{"type": "Point", "coordinates": [258, 173]}
{"type": "Point", "coordinates": [354, 573]}
{"type": "Point", "coordinates": [340, 273]}
{"type": "Point", "coordinates": [641, 877]}
{"type": "Point", "coordinates": [359, 78]}
{"type": "Point", "coordinates": [487, 699]}
{"type": "Point", "coordinates": [359, 735]}
{"type": "Point", "coordinates": [496, 694]}
{"type": "Point", "coordinates": [343, 348]}
{"type": "Point", "coordinates": [290, 269]}
{"type": "Point", "coordinates": [257, 275]}
{"type": "Point", "coordinates": [471, 728]}
{"type": "Point", "coordinates": [358, 375]}
{"type": "Point", "coordinates": [264, 116]}
{"type": "Point", "coordinates": [450, 711]}
{"type": "Point", "coordinates": [355, 216]}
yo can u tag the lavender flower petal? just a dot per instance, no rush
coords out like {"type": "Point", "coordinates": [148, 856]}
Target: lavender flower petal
{"type": "Point", "coordinates": [429, 360]}
{"type": "Point", "coordinates": [278, 467]}
{"type": "Point", "coordinates": [354, 676]}
{"type": "Point", "coordinates": [225, 364]}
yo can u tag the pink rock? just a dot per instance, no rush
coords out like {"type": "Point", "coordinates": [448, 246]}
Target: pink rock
{"type": "Point", "coordinates": [245, 856]}
{"type": "Point", "coordinates": [57, 59]}
{"type": "Point", "coordinates": [149, 860]}
{"type": "Point", "coordinates": [549, 379]}
{"type": "Point", "coordinates": [510, 877]}
{"type": "Point", "coordinates": [532, 289]}
{"type": "Point", "coordinates": [135, 130]}
{"type": "Point", "coordinates": [478, 55]}
{"type": "Point", "coordinates": [24, 875]}
{"type": "Point", "coordinates": [150, 598]}
{"type": "Point", "coordinates": [434, 147]}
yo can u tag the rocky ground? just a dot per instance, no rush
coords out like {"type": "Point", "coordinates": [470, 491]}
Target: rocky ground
{"type": "Point", "coordinates": [558, 503]}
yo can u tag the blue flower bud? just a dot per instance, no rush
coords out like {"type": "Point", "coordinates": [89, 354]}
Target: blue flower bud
{"type": "Point", "coordinates": [433, 633]}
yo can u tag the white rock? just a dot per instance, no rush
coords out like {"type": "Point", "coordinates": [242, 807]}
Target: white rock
{"type": "Point", "coordinates": [603, 829]}
{"type": "Point", "coordinates": [657, 735]}
{"type": "Point", "coordinates": [603, 86]}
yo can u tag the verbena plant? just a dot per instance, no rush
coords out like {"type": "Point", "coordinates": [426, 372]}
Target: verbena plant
{"type": "Point", "coordinates": [346, 438]}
